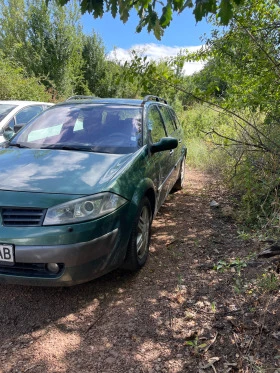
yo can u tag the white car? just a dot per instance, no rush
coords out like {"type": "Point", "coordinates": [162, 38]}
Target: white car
{"type": "Point", "coordinates": [15, 114]}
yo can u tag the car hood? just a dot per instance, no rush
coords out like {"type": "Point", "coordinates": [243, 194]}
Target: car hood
{"type": "Point", "coordinates": [58, 171]}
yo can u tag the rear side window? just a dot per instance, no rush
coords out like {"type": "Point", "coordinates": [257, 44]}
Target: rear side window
{"type": "Point", "coordinates": [168, 120]}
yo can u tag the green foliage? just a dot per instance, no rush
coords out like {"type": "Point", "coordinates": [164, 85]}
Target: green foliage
{"type": "Point", "coordinates": [15, 85]}
{"type": "Point", "coordinates": [197, 119]}
{"type": "Point", "coordinates": [241, 83]}
{"type": "Point", "coordinates": [198, 154]}
{"type": "Point", "coordinates": [237, 263]}
{"type": "Point", "coordinates": [46, 42]}
{"type": "Point", "coordinates": [268, 282]}
{"type": "Point", "coordinates": [265, 283]}
{"type": "Point", "coordinates": [157, 78]}
{"type": "Point", "coordinates": [156, 16]}
{"type": "Point", "coordinates": [94, 63]}
{"type": "Point", "coordinates": [209, 82]}
{"type": "Point", "coordinates": [196, 345]}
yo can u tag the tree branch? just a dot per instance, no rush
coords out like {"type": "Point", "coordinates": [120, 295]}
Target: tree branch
{"type": "Point", "coordinates": [246, 143]}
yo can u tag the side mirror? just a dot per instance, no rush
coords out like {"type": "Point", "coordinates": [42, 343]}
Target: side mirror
{"type": "Point", "coordinates": [166, 143]}
{"type": "Point", "coordinates": [8, 133]}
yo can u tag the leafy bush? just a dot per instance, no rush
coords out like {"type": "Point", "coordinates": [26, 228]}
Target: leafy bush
{"type": "Point", "coordinates": [197, 119]}
{"type": "Point", "coordinates": [14, 85]}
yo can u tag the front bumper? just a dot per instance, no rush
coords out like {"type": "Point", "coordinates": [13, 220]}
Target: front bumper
{"type": "Point", "coordinates": [82, 262]}
{"type": "Point", "coordinates": [84, 251]}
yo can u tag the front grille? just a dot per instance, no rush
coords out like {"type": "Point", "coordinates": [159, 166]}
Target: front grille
{"type": "Point", "coordinates": [22, 217]}
{"type": "Point", "coordinates": [30, 270]}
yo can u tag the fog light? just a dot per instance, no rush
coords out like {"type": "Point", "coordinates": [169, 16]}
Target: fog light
{"type": "Point", "coordinates": [53, 267]}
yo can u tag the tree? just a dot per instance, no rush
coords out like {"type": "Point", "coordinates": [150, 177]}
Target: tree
{"type": "Point", "coordinates": [156, 15]}
{"type": "Point", "coordinates": [94, 62]}
{"type": "Point", "coordinates": [13, 29]}
{"type": "Point", "coordinates": [115, 82]}
{"type": "Point", "coordinates": [14, 85]}
{"type": "Point", "coordinates": [159, 78]}
{"type": "Point", "coordinates": [55, 47]}
{"type": "Point", "coordinates": [47, 42]}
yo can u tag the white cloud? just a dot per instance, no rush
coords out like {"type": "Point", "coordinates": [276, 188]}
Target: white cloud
{"type": "Point", "coordinates": [156, 52]}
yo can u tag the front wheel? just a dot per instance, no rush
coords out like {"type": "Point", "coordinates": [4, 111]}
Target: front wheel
{"type": "Point", "coordinates": [138, 246]}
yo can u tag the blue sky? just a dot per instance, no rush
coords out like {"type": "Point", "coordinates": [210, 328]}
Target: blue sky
{"type": "Point", "coordinates": [183, 33]}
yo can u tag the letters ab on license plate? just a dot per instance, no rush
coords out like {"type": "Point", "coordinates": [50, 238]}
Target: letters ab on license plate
{"type": "Point", "coordinates": [6, 254]}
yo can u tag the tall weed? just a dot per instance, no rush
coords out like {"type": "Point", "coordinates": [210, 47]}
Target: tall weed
{"type": "Point", "coordinates": [205, 156]}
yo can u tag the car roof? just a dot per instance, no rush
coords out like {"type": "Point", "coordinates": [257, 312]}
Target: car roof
{"type": "Point", "coordinates": [23, 103]}
{"type": "Point", "coordinates": [118, 101]}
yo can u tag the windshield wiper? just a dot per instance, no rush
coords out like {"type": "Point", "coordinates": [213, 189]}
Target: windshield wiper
{"type": "Point", "coordinates": [65, 147]}
{"type": "Point", "coordinates": [18, 145]}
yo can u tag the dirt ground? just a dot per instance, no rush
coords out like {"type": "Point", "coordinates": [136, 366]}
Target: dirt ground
{"type": "Point", "coordinates": [202, 303]}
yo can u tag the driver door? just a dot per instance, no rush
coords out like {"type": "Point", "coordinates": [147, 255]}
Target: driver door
{"type": "Point", "coordinates": [161, 160]}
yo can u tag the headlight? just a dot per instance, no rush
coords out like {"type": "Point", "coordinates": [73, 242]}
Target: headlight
{"type": "Point", "coordinates": [83, 209]}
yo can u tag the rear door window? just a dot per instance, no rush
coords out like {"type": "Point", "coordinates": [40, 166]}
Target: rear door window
{"type": "Point", "coordinates": [174, 118]}
{"type": "Point", "coordinates": [168, 121]}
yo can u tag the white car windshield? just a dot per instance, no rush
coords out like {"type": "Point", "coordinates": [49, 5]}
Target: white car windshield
{"type": "Point", "coordinates": [106, 128]}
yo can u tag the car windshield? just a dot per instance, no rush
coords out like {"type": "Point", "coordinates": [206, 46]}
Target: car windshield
{"type": "Point", "coordinates": [5, 109]}
{"type": "Point", "coordinates": [104, 128]}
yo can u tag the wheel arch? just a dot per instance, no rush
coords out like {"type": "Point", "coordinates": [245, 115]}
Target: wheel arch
{"type": "Point", "coordinates": [145, 188]}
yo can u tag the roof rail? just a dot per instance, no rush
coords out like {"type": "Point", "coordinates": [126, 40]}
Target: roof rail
{"type": "Point", "coordinates": [79, 97]}
{"type": "Point", "coordinates": [154, 98]}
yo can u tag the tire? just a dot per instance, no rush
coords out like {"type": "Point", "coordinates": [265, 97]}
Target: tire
{"type": "Point", "coordinates": [139, 242]}
{"type": "Point", "coordinates": [179, 185]}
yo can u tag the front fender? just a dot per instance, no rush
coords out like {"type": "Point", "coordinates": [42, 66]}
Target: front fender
{"type": "Point", "coordinates": [145, 188]}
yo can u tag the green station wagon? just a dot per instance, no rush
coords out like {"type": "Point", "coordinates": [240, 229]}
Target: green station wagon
{"type": "Point", "coordinates": [80, 186]}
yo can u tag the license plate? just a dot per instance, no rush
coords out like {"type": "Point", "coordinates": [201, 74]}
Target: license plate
{"type": "Point", "coordinates": [7, 254]}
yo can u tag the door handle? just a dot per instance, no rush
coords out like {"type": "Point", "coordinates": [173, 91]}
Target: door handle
{"type": "Point", "coordinates": [171, 152]}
